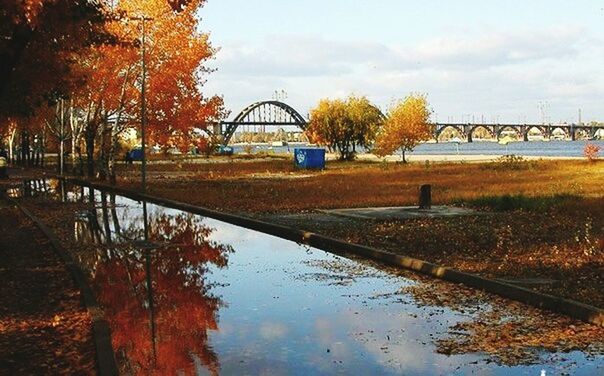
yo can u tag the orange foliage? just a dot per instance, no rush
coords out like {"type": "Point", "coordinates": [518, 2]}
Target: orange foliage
{"type": "Point", "coordinates": [175, 52]}
{"type": "Point", "coordinates": [591, 152]}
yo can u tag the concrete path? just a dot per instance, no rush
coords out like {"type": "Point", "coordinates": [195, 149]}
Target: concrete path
{"type": "Point", "coordinates": [400, 212]}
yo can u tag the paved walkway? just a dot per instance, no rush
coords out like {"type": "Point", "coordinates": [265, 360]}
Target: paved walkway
{"type": "Point", "coordinates": [44, 327]}
{"type": "Point", "coordinates": [400, 212]}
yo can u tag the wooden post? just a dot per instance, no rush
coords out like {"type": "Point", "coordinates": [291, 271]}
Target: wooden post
{"type": "Point", "coordinates": [425, 196]}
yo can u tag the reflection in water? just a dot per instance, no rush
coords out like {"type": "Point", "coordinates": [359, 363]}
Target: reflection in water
{"type": "Point", "coordinates": [151, 281]}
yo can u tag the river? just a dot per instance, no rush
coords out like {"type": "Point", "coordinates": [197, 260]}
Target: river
{"type": "Point", "coordinates": [526, 149]}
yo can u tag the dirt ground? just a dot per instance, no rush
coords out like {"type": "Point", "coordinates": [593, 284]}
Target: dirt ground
{"type": "Point", "coordinates": [44, 327]}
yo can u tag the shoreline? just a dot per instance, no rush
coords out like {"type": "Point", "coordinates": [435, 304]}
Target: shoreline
{"type": "Point", "coordinates": [476, 158]}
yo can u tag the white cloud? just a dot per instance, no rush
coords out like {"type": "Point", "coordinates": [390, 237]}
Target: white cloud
{"type": "Point", "coordinates": [493, 73]}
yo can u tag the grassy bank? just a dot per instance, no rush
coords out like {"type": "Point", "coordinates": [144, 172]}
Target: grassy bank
{"type": "Point", "coordinates": [275, 186]}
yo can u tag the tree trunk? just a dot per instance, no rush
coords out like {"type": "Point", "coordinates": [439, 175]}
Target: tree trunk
{"type": "Point", "coordinates": [11, 145]}
{"type": "Point", "coordinates": [111, 157]}
{"type": "Point", "coordinates": [43, 148]}
{"type": "Point", "coordinates": [23, 155]}
{"type": "Point", "coordinates": [90, 153]}
{"type": "Point", "coordinates": [62, 157]}
{"type": "Point", "coordinates": [80, 159]}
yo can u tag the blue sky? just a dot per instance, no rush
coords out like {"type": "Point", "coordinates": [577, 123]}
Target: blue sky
{"type": "Point", "coordinates": [474, 59]}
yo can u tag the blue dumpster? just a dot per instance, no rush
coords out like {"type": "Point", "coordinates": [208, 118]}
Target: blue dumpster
{"type": "Point", "coordinates": [309, 158]}
{"type": "Point", "coordinates": [224, 150]}
{"type": "Point", "coordinates": [135, 154]}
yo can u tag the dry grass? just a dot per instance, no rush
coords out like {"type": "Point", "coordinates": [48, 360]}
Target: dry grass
{"type": "Point", "coordinates": [275, 186]}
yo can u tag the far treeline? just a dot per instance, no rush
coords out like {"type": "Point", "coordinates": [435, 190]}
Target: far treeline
{"type": "Point", "coordinates": [72, 73]}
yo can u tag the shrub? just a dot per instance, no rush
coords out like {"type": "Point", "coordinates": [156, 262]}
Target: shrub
{"type": "Point", "coordinates": [511, 162]}
{"type": "Point", "coordinates": [591, 152]}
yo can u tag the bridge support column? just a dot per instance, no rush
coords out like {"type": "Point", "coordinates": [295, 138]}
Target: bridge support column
{"type": "Point", "coordinates": [470, 137]}
{"type": "Point", "coordinates": [573, 135]}
{"type": "Point", "coordinates": [525, 136]}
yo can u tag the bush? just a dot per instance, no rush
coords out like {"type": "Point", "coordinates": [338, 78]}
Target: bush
{"type": "Point", "coordinates": [511, 162]}
{"type": "Point", "coordinates": [591, 152]}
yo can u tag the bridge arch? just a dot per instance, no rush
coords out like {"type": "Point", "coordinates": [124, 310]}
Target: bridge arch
{"type": "Point", "coordinates": [264, 113]}
{"type": "Point", "coordinates": [441, 129]}
{"type": "Point", "coordinates": [566, 131]}
{"type": "Point", "coordinates": [487, 128]}
{"type": "Point", "coordinates": [541, 129]}
{"type": "Point", "coordinates": [516, 129]}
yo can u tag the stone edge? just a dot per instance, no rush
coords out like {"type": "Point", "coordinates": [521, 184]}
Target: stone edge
{"type": "Point", "coordinates": [101, 332]}
{"type": "Point", "coordinates": [572, 308]}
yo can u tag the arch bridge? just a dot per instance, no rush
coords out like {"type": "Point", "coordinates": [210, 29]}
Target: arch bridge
{"type": "Point", "coordinates": [522, 130]}
{"type": "Point", "coordinates": [262, 114]}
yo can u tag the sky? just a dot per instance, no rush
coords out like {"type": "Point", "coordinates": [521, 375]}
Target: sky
{"type": "Point", "coordinates": [501, 61]}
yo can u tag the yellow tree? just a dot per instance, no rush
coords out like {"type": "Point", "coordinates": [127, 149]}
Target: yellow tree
{"type": "Point", "coordinates": [344, 125]}
{"type": "Point", "coordinates": [407, 124]}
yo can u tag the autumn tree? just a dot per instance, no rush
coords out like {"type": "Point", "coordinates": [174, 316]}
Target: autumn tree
{"type": "Point", "coordinates": [175, 51]}
{"type": "Point", "coordinates": [39, 40]}
{"type": "Point", "coordinates": [344, 125]}
{"type": "Point", "coordinates": [407, 124]}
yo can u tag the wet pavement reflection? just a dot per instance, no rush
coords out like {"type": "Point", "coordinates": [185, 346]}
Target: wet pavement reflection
{"type": "Point", "coordinates": [186, 294]}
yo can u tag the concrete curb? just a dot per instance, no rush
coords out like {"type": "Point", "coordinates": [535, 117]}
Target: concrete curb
{"type": "Point", "coordinates": [105, 358]}
{"type": "Point", "coordinates": [572, 308]}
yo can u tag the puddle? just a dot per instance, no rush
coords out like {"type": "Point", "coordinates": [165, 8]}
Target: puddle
{"type": "Point", "coordinates": [186, 294]}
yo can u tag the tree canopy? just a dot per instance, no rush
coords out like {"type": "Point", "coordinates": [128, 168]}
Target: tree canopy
{"type": "Point", "coordinates": [407, 124]}
{"type": "Point", "coordinates": [39, 43]}
{"type": "Point", "coordinates": [342, 125]}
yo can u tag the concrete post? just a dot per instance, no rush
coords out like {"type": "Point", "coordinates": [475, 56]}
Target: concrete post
{"type": "Point", "coordinates": [425, 196]}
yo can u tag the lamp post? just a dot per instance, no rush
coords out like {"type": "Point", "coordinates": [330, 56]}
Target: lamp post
{"type": "Point", "coordinates": [142, 20]}
{"type": "Point", "coordinates": [143, 106]}
{"type": "Point", "coordinates": [143, 109]}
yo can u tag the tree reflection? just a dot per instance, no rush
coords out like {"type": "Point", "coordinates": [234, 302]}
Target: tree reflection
{"type": "Point", "coordinates": [154, 292]}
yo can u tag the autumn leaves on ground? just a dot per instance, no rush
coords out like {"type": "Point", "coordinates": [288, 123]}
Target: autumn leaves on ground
{"type": "Point", "coordinates": [44, 328]}
{"type": "Point", "coordinates": [537, 219]}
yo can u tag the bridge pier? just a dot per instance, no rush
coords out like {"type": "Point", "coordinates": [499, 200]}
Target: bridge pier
{"type": "Point", "coordinates": [469, 137]}
{"type": "Point", "coordinates": [525, 136]}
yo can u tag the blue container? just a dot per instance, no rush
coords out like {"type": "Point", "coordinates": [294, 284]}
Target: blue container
{"type": "Point", "coordinates": [224, 150]}
{"type": "Point", "coordinates": [309, 158]}
{"type": "Point", "coordinates": [136, 154]}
